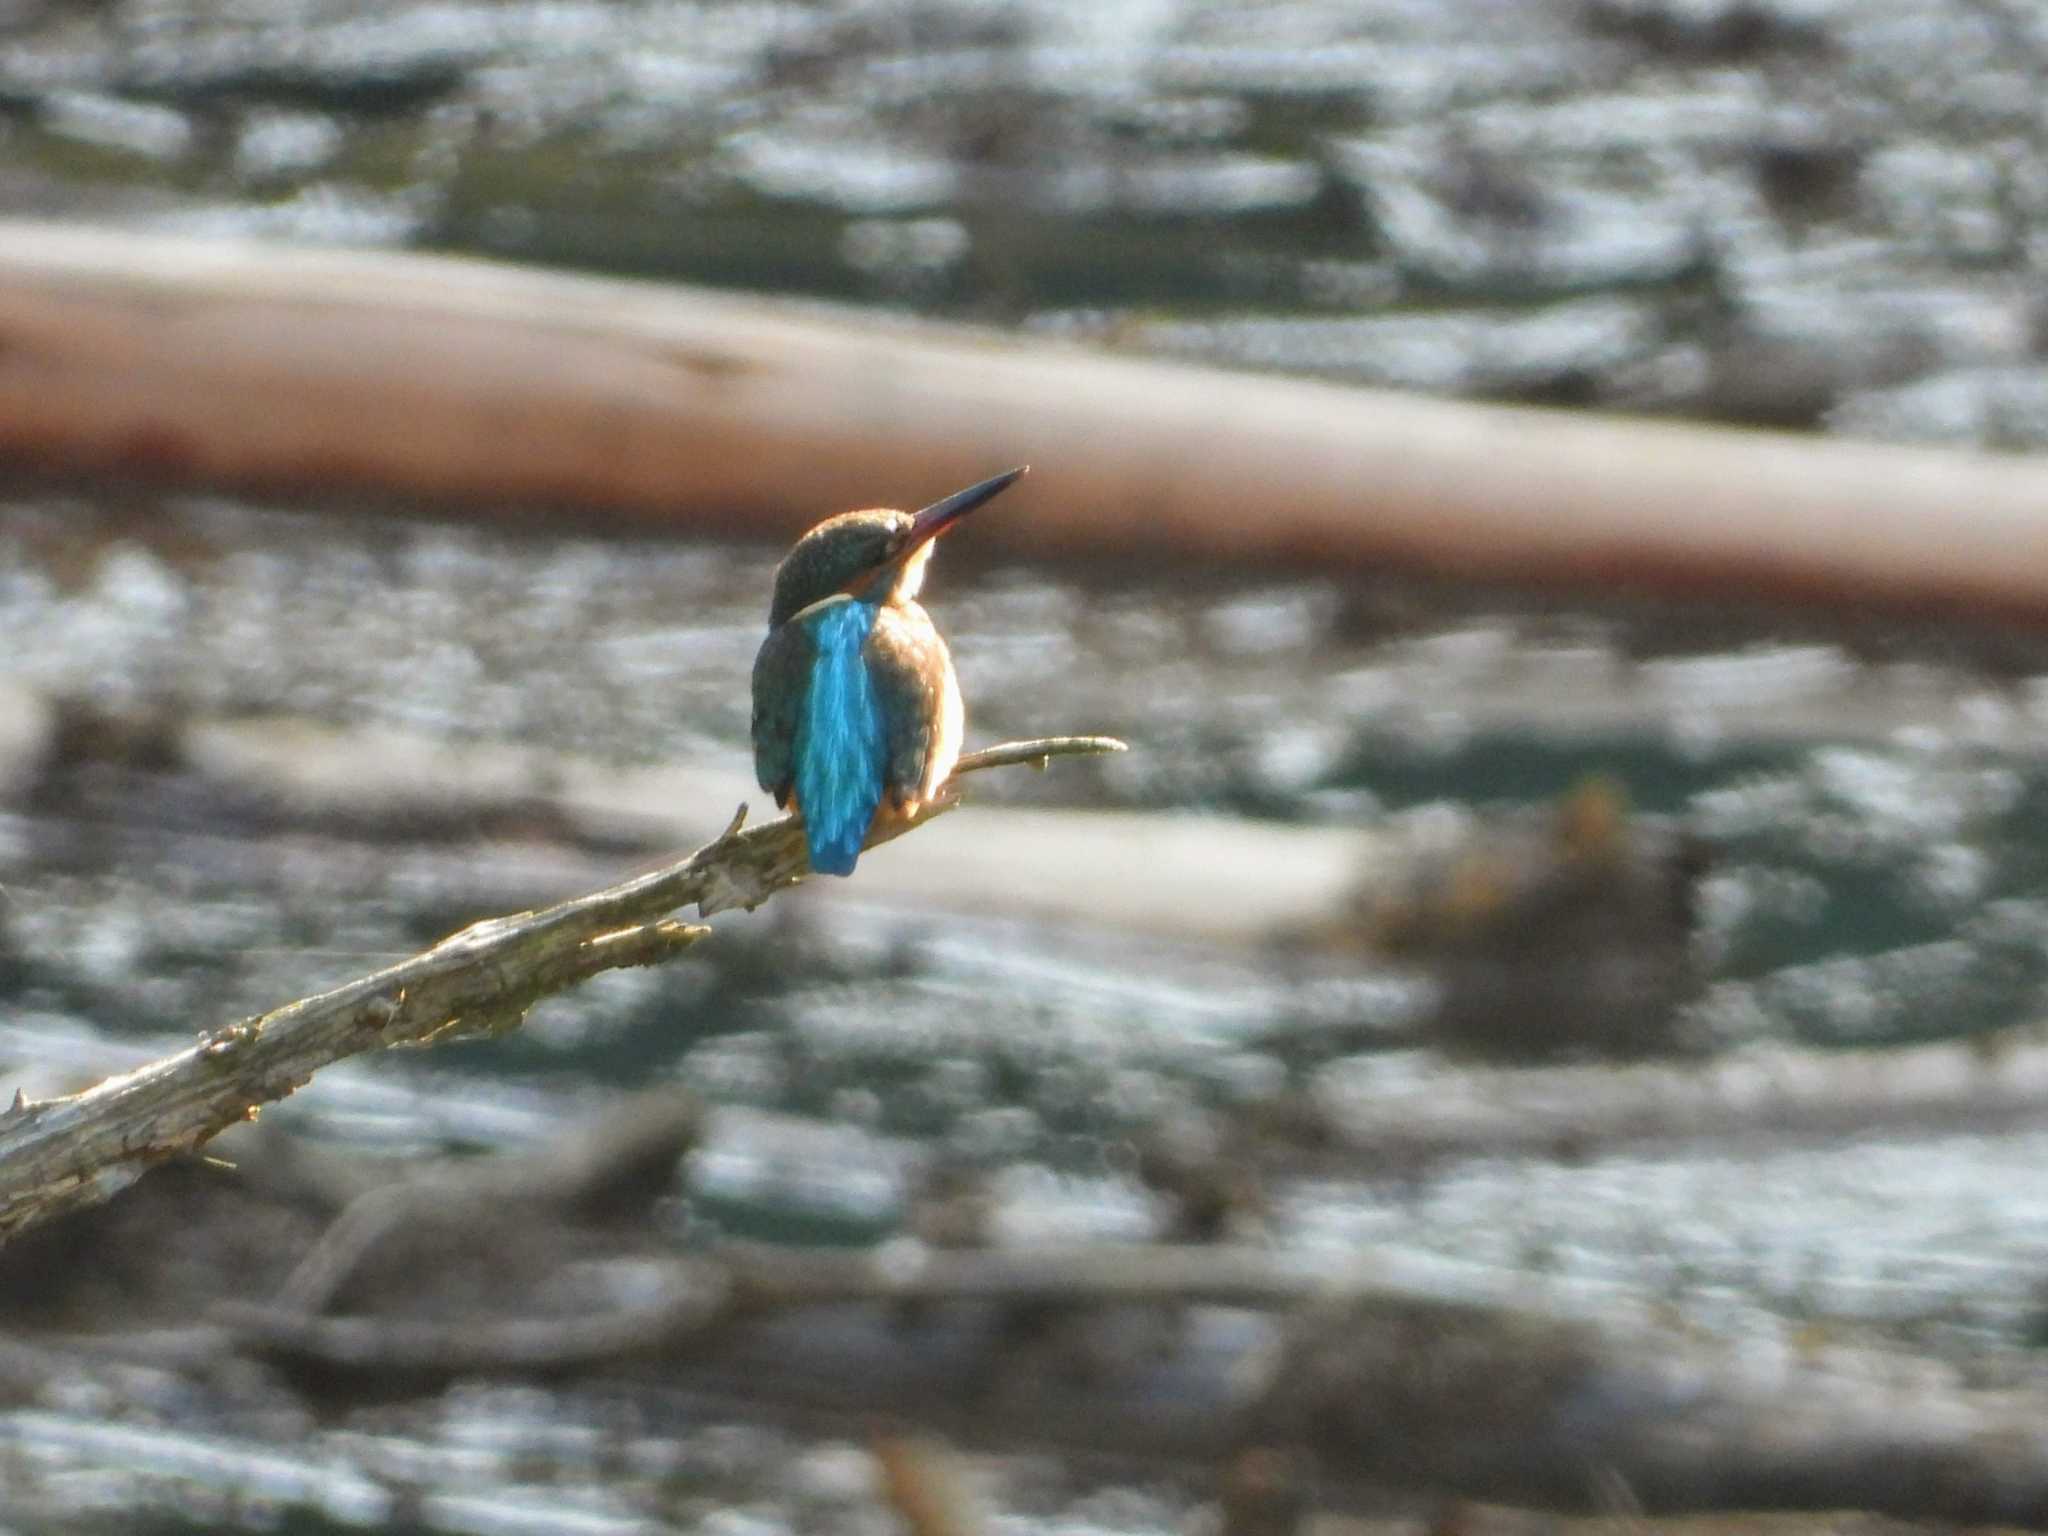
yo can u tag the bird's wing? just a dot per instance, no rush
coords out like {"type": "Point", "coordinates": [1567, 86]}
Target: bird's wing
{"type": "Point", "coordinates": [840, 738]}
{"type": "Point", "coordinates": [913, 675]}
{"type": "Point", "coordinates": [782, 676]}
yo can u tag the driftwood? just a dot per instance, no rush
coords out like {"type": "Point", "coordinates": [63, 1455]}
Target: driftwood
{"type": "Point", "coordinates": [1182, 1356]}
{"type": "Point", "coordinates": [1138, 1353]}
{"type": "Point", "coordinates": [1356, 1377]}
{"type": "Point", "coordinates": [244, 364]}
{"type": "Point", "coordinates": [1754, 1098]}
{"type": "Point", "coordinates": [1378, 1388]}
{"type": "Point", "coordinates": [1123, 872]}
{"type": "Point", "coordinates": [1385, 890]}
{"type": "Point", "coordinates": [59, 1154]}
{"type": "Point", "coordinates": [922, 1481]}
{"type": "Point", "coordinates": [1116, 876]}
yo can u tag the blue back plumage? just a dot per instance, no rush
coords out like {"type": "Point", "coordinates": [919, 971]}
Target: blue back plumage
{"type": "Point", "coordinates": [840, 745]}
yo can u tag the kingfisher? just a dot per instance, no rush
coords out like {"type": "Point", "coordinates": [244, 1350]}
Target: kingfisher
{"type": "Point", "coordinates": [855, 701]}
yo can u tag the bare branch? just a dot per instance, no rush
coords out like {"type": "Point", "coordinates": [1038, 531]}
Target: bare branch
{"type": "Point", "coordinates": [58, 1154]}
{"type": "Point", "coordinates": [700, 1293]}
{"type": "Point", "coordinates": [688, 1298]}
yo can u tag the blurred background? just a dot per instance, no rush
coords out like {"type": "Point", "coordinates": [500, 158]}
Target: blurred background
{"type": "Point", "coordinates": [1463, 841]}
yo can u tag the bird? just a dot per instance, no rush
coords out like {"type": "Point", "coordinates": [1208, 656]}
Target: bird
{"type": "Point", "coordinates": [856, 704]}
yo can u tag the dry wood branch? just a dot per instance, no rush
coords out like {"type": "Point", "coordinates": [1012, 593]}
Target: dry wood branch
{"type": "Point", "coordinates": [688, 1298]}
{"type": "Point", "coordinates": [1091, 1275]}
{"type": "Point", "coordinates": [739, 1282]}
{"type": "Point", "coordinates": [609, 1171]}
{"type": "Point", "coordinates": [58, 1154]}
{"type": "Point", "coordinates": [925, 1484]}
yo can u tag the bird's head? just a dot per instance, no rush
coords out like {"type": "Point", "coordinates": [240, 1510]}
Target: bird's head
{"type": "Point", "coordinates": [878, 555]}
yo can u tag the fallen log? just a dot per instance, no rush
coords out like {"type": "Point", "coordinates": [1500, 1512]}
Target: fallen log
{"type": "Point", "coordinates": [1760, 1097]}
{"type": "Point", "coordinates": [1371, 890]}
{"type": "Point", "coordinates": [243, 364]}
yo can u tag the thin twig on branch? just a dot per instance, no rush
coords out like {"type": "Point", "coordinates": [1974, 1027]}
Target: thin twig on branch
{"type": "Point", "coordinates": [59, 1154]}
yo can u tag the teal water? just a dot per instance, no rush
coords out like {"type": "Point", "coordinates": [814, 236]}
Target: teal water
{"type": "Point", "coordinates": [1820, 216]}
{"type": "Point", "coordinates": [1874, 807]}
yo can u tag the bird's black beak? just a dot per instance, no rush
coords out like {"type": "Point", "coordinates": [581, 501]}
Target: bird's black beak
{"type": "Point", "coordinates": [942, 515]}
